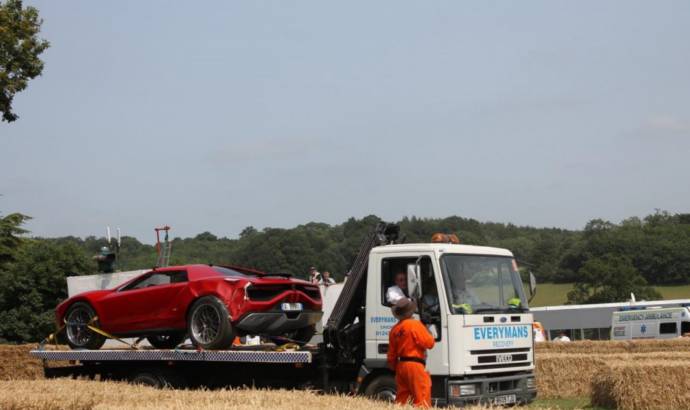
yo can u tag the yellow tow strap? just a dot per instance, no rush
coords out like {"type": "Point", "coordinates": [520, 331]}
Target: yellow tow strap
{"type": "Point", "coordinates": [108, 335]}
{"type": "Point", "coordinates": [287, 347]}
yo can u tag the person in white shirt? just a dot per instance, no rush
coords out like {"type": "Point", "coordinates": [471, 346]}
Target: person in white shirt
{"type": "Point", "coordinates": [562, 337]}
{"type": "Point", "coordinates": [326, 279]}
{"type": "Point", "coordinates": [314, 275]}
{"type": "Point", "coordinates": [399, 290]}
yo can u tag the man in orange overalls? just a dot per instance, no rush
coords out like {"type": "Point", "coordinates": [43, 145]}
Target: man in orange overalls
{"type": "Point", "coordinates": [408, 342]}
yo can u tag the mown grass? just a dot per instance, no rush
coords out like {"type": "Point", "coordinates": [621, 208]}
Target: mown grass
{"type": "Point", "coordinates": [552, 294]}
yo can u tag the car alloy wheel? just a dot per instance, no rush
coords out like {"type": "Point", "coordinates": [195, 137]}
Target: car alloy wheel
{"type": "Point", "coordinates": [205, 324]}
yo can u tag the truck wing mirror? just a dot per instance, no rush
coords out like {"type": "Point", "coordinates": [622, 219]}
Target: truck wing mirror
{"type": "Point", "coordinates": [532, 286]}
{"type": "Point", "coordinates": [414, 287]}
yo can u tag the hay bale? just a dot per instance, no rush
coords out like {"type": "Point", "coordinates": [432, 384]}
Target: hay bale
{"type": "Point", "coordinates": [615, 346]}
{"type": "Point", "coordinates": [17, 364]}
{"type": "Point", "coordinates": [570, 375]}
{"type": "Point", "coordinates": [643, 385]}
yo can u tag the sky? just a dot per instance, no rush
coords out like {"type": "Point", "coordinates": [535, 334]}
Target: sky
{"type": "Point", "coordinates": [215, 116]}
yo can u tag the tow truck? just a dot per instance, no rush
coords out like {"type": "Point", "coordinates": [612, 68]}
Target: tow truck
{"type": "Point", "coordinates": [470, 297]}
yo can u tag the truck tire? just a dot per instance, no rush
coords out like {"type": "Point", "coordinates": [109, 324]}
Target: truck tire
{"type": "Point", "coordinates": [158, 378]}
{"type": "Point", "coordinates": [208, 324]}
{"type": "Point", "coordinates": [78, 335]}
{"type": "Point", "coordinates": [147, 378]}
{"type": "Point", "coordinates": [382, 388]}
{"type": "Point", "coordinates": [166, 340]}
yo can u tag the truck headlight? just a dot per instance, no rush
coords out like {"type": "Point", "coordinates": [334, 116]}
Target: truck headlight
{"type": "Point", "coordinates": [531, 383]}
{"type": "Point", "coordinates": [458, 390]}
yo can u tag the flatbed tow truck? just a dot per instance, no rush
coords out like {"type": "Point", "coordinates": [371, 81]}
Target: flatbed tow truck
{"type": "Point", "coordinates": [483, 352]}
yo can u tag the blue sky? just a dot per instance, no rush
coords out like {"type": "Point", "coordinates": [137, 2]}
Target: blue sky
{"type": "Point", "coordinates": [219, 115]}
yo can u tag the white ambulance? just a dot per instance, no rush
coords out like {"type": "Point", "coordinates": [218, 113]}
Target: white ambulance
{"type": "Point", "coordinates": [650, 323]}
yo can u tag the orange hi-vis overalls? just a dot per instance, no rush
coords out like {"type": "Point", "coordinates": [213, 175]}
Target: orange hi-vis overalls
{"type": "Point", "coordinates": [408, 342]}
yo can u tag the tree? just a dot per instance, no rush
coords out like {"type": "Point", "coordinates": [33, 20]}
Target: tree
{"type": "Point", "coordinates": [19, 51]}
{"type": "Point", "coordinates": [34, 284]}
{"type": "Point", "coordinates": [10, 229]}
{"type": "Point", "coordinates": [610, 278]}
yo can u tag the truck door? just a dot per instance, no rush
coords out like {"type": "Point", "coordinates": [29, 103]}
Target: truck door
{"type": "Point", "coordinates": [380, 317]}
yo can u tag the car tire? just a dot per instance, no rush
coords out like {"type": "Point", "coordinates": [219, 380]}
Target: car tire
{"type": "Point", "coordinates": [77, 334]}
{"type": "Point", "coordinates": [166, 340]}
{"type": "Point", "coordinates": [208, 324]}
{"type": "Point", "coordinates": [382, 388]}
{"type": "Point", "coordinates": [300, 336]}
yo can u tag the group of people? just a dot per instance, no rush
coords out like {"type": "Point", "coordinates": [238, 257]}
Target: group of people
{"type": "Point", "coordinates": [320, 278]}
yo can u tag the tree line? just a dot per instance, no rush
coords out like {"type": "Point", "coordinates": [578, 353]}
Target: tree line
{"type": "Point", "coordinates": [606, 261]}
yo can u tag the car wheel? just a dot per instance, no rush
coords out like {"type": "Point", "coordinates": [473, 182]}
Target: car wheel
{"type": "Point", "coordinates": [300, 336]}
{"type": "Point", "coordinates": [167, 340]}
{"type": "Point", "coordinates": [209, 325]}
{"type": "Point", "coordinates": [79, 336]}
{"type": "Point", "coordinates": [382, 388]}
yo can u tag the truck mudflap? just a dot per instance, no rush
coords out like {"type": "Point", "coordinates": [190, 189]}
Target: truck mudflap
{"type": "Point", "coordinates": [500, 390]}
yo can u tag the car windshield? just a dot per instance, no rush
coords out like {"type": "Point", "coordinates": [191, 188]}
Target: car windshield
{"type": "Point", "coordinates": [478, 284]}
{"type": "Point", "coordinates": [230, 272]}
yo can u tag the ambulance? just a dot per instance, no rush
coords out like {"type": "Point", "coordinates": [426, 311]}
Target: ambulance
{"type": "Point", "coordinates": [650, 323]}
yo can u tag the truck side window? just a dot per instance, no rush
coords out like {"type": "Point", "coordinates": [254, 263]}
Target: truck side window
{"type": "Point", "coordinates": [390, 267]}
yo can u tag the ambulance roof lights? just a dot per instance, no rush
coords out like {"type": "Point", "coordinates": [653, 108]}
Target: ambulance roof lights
{"type": "Point", "coordinates": [445, 238]}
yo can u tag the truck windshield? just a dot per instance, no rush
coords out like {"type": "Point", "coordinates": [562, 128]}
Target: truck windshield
{"type": "Point", "coordinates": [477, 284]}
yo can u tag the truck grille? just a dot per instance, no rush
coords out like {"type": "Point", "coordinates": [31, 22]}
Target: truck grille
{"type": "Point", "coordinates": [501, 366]}
{"type": "Point", "coordinates": [501, 358]}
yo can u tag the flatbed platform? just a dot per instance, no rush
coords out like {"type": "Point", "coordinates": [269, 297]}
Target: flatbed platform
{"type": "Point", "coordinates": [152, 355]}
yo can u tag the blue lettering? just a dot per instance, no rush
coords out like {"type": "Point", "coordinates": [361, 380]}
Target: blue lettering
{"type": "Point", "coordinates": [501, 332]}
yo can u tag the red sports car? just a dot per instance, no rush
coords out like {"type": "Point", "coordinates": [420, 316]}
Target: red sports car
{"type": "Point", "coordinates": [210, 304]}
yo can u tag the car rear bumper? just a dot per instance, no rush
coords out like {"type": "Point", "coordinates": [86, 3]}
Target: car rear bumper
{"type": "Point", "coordinates": [275, 323]}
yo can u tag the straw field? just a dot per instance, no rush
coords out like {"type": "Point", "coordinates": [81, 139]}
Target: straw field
{"type": "Point", "coordinates": [83, 395]}
{"type": "Point", "coordinates": [627, 375]}
{"type": "Point", "coordinates": [15, 363]}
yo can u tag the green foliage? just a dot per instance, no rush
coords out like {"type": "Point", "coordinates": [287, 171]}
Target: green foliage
{"type": "Point", "coordinates": [10, 240]}
{"type": "Point", "coordinates": [19, 51]}
{"type": "Point", "coordinates": [610, 278]}
{"type": "Point", "coordinates": [605, 261]}
{"type": "Point", "coordinates": [34, 284]}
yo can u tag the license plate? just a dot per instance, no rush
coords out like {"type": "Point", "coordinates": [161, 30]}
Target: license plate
{"type": "Point", "coordinates": [505, 399]}
{"type": "Point", "coordinates": [291, 307]}
{"type": "Point", "coordinates": [504, 358]}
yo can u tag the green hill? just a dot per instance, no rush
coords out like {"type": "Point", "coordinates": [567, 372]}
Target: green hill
{"type": "Point", "coordinates": [551, 294]}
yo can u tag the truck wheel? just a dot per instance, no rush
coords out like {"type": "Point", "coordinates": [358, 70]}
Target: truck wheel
{"type": "Point", "coordinates": [382, 388]}
{"type": "Point", "coordinates": [159, 378]}
{"type": "Point", "coordinates": [147, 378]}
{"type": "Point", "coordinates": [209, 325]}
{"type": "Point", "coordinates": [78, 335]}
{"type": "Point", "coordinates": [167, 340]}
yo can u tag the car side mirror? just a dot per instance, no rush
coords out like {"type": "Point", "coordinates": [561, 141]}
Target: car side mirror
{"type": "Point", "coordinates": [414, 287]}
{"type": "Point", "coordinates": [532, 286]}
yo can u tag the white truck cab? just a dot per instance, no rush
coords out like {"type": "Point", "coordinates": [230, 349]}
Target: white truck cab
{"type": "Point", "coordinates": [472, 300]}
{"type": "Point", "coordinates": [650, 323]}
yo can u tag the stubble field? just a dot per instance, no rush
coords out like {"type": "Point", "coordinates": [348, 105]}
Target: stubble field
{"type": "Point", "coordinates": [626, 375]}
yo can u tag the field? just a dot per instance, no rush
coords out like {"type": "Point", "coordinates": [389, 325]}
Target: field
{"type": "Point", "coordinates": [589, 374]}
{"type": "Point", "coordinates": [549, 294]}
